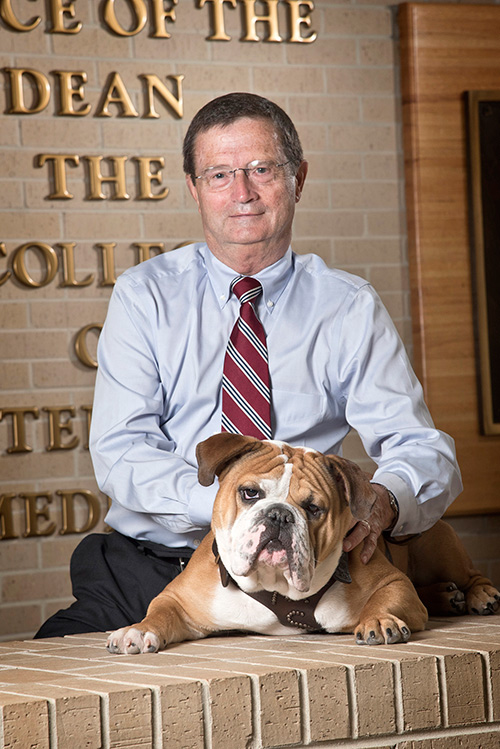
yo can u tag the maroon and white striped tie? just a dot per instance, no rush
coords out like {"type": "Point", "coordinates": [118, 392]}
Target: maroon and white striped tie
{"type": "Point", "coordinates": [246, 394]}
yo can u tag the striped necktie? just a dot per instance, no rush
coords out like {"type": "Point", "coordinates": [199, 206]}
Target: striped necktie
{"type": "Point", "coordinates": [246, 394]}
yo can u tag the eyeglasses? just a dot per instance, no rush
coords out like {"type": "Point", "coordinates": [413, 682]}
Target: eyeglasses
{"type": "Point", "coordinates": [258, 172]}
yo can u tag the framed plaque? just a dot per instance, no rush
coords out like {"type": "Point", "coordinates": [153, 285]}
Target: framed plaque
{"type": "Point", "coordinates": [484, 150]}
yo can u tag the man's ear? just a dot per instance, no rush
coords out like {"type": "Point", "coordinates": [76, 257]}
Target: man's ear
{"type": "Point", "coordinates": [300, 178]}
{"type": "Point", "coordinates": [217, 452]}
{"type": "Point", "coordinates": [192, 189]}
{"type": "Point", "coordinates": [354, 483]}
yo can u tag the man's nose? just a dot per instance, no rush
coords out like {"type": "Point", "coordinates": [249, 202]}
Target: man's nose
{"type": "Point", "coordinates": [243, 187]}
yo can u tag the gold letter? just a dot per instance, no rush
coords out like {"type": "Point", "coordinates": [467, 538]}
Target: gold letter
{"type": "Point", "coordinates": [18, 428]}
{"type": "Point", "coordinates": [57, 427]}
{"type": "Point", "coordinates": [7, 14]}
{"type": "Point", "coordinates": [251, 20]}
{"type": "Point", "coordinates": [145, 250]}
{"type": "Point", "coordinates": [58, 173]}
{"type": "Point", "coordinates": [146, 177]}
{"type": "Point", "coordinates": [67, 93]}
{"type": "Point", "coordinates": [219, 29]}
{"type": "Point", "coordinates": [19, 266]}
{"type": "Point", "coordinates": [121, 98]}
{"type": "Point", "coordinates": [57, 12]}
{"type": "Point", "coordinates": [32, 513]}
{"type": "Point", "coordinates": [155, 85]}
{"type": "Point", "coordinates": [159, 14]}
{"type": "Point", "coordinates": [42, 87]}
{"type": "Point", "coordinates": [138, 8]}
{"type": "Point", "coordinates": [68, 511]}
{"type": "Point", "coordinates": [108, 263]}
{"type": "Point", "coordinates": [296, 21]}
{"type": "Point", "coordinates": [68, 263]}
{"type": "Point", "coordinates": [81, 348]}
{"type": "Point", "coordinates": [5, 276]}
{"type": "Point", "coordinates": [6, 517]}
{"type": "Point", "coordinates": [117, 178]}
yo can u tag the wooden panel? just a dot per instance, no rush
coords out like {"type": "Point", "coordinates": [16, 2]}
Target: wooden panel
{"type": "Point", "coordinates": [447, 50]}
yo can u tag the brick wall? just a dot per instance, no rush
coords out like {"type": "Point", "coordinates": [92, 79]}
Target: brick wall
{"type": "Point", "coordinates": [439, 691]}
{"type": "Point", "coordinates": [342, 92]}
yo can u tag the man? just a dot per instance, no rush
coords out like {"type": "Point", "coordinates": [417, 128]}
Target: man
{"type": "Point", "coordinates": [335, 363]}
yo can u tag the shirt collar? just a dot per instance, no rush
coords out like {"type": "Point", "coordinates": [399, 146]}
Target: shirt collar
{"type": "Point", "coordinates": [274, 278]}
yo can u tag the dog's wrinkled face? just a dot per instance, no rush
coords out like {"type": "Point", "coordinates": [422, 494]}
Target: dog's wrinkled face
{"type": "Point", "coordinates": [280, 511]}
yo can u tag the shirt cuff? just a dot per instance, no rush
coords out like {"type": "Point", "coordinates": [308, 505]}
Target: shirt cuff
{"type": "Point", "coordinates": [408, 510]}
{"type": "Point", "coordinates": [201, 502]}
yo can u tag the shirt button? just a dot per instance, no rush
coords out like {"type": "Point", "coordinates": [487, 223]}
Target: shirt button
{"type": "Point", "coordinates": [222, 297]}
{"type": "Point", "coordinates": [270, 304]}
{"type": "Point", "coordinates": [196, 542]}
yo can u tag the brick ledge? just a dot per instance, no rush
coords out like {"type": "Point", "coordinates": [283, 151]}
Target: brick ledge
{"type": "Point", "coordinates": [439, 691]}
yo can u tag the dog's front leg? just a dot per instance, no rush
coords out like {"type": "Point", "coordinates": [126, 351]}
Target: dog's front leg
{"type": "Point", "coordinates": [165, 622]}
{"type": "Point", "coordinates": [393, 611]}
{"type": "Point", "coordinates": [180, 612]}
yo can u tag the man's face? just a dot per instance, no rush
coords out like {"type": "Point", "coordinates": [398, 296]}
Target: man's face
{"type": "Point", "coordinates": [246, 226]}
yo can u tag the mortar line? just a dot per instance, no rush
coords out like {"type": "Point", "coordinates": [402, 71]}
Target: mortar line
{"type": "Point", "coordinates": [51, 705]}
{"type": "Point", "coordinates": [443, 693]}
{"type": "Point", "coordinates": [207, 714]}
{"type": "Point", "coordinates": [156, 723]}
{"type": "Point", "coordinates": [105, 727]}
{"type": "Point", "coordinates": [256, 711]}
{"type": "Point", "coordinates": [352, 702]}
{"type": "Point", "coordinates": [305, 712]}
{"type": "Point", "coordinates": [398, 696]}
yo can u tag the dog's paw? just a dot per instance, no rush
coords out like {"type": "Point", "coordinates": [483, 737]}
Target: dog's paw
{"type": "Point", "coordinates": [383, 631]}
{"type": "Point", "coordinates": [483, 600]}
{"type": "Point", "coordinates": [130, 640]}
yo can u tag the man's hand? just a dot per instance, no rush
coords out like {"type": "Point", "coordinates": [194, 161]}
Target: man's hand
{"type": "Point", "coordinates": [381, 517]}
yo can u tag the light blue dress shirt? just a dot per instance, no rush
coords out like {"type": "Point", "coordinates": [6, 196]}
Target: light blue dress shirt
{"type": "Point", "coordinates": [335, 360]}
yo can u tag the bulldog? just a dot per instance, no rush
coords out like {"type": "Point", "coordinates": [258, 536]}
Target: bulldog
{"type": "Point", "coordinates": [273, 561]}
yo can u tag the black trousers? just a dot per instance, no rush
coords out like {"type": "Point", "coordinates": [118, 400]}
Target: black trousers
{"type": "Point", "coordinates": [114, 579]}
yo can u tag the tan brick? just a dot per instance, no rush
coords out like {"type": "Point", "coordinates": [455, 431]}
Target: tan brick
{"type": "Point", "coordinates": [182, 715]}
{"type": "Point", "coordinates": [280, 708]}
{"type": "Point", "coordinates": [328, 703]}
{"type": "Point", "coordinates": [480, 740]}
{"type": "Point", "coordinates": [464, 688]}
{"type": "Point", "coordinates": [353, 21]}
{"type": "Point", "coordinates": [374, 684]}
{"type": "Point", "coordinates": [14, 375]}
{"type": "Point", "coordinates": [35, 586]}
{"type": "Point", "coordinates": [11, 195]}
{"type": "Point", "coordinates": [290, 78]}
{"type": "Point", "coordinates": [341, 223]}
{"type": "Point", "coordinates": [231, 711]}
{"type": "Point", "coordinates": [77, 714]}
{"type": "Point", "coordinates": [36, 224]}
{"type": "Point", "coordinates": [21, 619]}
{"type": "Point", "coordinates": [363, 138]}
{"type": "Point", "coordinates": [130, 719]}
{"type": "Point", "coordinates": [420, 694]}
{"type": "Point", "coordinates": [24, 722]}
{"type": "Point", "coordinates": [324, 51]}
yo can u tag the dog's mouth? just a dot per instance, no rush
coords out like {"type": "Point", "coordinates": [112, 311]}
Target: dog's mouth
{"type": "Point", "coordinates": [274, 548]}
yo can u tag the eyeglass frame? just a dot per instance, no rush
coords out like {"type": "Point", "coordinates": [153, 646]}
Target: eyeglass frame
{"type": "Point", "coordinates": [245, 169]}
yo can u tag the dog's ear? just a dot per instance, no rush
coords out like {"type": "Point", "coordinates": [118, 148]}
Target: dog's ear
{"type": "Point", "coordinates": [355, 484]}
{"type": "Point", "coordinates": [217, 452]}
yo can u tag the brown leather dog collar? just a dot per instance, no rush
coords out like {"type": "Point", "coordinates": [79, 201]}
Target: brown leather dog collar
{"type": "Point", "coordinates": [290, 613]}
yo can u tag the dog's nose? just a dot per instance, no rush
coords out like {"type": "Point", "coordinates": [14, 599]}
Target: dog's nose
{"type": "Point", "coordinates": [280, 515]}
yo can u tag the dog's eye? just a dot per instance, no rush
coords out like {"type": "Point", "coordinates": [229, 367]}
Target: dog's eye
{"type": "Point", "coordinates": [250, 494]}
{"type": "Point", "coordinates": [313, 510]}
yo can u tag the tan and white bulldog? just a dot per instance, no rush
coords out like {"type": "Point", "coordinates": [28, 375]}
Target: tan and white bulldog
{"type": "Point", "coordinates": [273, 562]}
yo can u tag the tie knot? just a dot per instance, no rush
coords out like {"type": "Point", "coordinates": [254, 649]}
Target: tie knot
{"type": "Point", "coordinates": [246, 288]}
